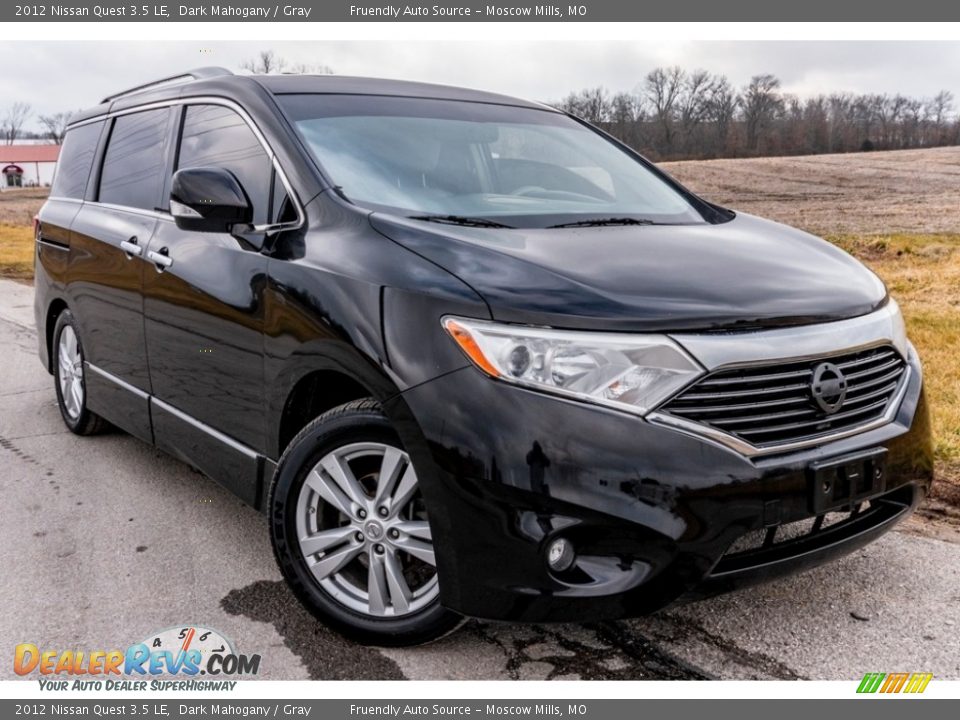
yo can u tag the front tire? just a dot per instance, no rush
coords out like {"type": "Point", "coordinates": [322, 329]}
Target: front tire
{"type": "Point", "coordinates": [69, 372]}
{"type": "Point", "coordinates": [350, 530]}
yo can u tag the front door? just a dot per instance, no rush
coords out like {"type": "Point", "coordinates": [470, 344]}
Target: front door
{"type": "Point", "coordinates": [203, 308]}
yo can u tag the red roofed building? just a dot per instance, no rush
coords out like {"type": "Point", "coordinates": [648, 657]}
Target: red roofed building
{"type": "Point", "coordinates": [27, 165]}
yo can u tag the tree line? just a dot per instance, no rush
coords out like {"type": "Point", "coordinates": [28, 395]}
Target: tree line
{"type": "Point", "coordinates": [679, 114]}
{"type": "Point", "coordinates": [14, 117]}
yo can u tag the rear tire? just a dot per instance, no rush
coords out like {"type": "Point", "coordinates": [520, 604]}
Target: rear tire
{"type": "Point", "coordinates": [350, 532]}
{"type": "Point", "coordinates": [69, 374]}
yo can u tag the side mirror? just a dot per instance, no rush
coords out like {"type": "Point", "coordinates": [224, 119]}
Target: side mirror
{"type": "Point", "coordinates": [208, 199]}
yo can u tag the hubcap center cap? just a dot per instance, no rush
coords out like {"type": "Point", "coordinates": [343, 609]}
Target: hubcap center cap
{"type": "Point", "coordinates": [373, 530]}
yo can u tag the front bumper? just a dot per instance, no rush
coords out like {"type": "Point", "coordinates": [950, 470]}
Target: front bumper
{"type": "Point", "coordinates": [652, 511]}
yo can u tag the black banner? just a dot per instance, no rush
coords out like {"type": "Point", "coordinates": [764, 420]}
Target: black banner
{"type": "Point", "coordinates": [485, 11]}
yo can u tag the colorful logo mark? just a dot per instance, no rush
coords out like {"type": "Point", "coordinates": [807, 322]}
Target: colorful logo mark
{"type": "Point", "coordinates": [895, 682]}
{"type": "Point", "coordinates": [189, 650]}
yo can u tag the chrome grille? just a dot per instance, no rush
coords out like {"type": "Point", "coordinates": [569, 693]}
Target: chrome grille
{"type": "Point", "coordinates": [770, 405]}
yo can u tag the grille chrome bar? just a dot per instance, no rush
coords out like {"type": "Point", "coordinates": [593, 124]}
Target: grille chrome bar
{"type": "Point", "coordinates": [741, 393]}
{"type": "Point", "coordinates": [749, 408]}
{"type": "Point", "coordinates": [798, 374]}
{"type": "Point", "coordinates": [863, 361]}
{"type": "Point", "coordinates": [819, 422]}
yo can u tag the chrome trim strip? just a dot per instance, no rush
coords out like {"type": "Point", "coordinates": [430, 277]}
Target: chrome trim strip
{"type": "Point", "coordinates": [55, 246]}
{"type": "Point", "coordinates": [117, 381]}
{"type": "Point", "coordinates": [60, 198]}
{"type": "Point", "coordinates": [213, 100]}
{"type": "Point", "coordinates": [807, 342]}
{"type": "Point", "coordinates": [215, 434]}
{"type": "Point", "coordinates": [732, 442]}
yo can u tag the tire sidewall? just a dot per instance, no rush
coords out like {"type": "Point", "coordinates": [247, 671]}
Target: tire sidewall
{"type": "Point", "coordinates": [64, 320]}
{"type": "Point", "coordinates": [330, 431]}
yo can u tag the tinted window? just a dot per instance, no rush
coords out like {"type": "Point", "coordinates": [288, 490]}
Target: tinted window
{"type": "Point", "coordinates": [215, 136]}
{"type": "Point", "coordinates": [133, 165]}
{"type": "Point", "coordinates": [75, 161]}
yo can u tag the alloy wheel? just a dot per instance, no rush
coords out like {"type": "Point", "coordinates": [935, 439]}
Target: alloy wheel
{"type": "Point", "coordinates": [363, 531]}
{"type": "Point", "coordinates": [70, 372]}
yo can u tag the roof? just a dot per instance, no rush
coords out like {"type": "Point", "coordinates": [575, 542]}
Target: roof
{"type": "Point", "coordinates": [343, 84]}
{"type": "Point", "coordinates": [216, 81]}
{"type": "Point", "coordinates": [28, 153]}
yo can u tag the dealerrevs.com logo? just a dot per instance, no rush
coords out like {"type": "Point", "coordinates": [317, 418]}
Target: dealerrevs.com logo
{"type": "Point", "coordinates": [186, 652]}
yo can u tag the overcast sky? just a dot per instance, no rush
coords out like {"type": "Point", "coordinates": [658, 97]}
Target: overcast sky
{"type": "Point", "coordinates": [54, 76]}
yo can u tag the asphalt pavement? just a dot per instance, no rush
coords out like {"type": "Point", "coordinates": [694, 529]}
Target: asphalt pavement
{"type": "Point", "coordinates": [105, 540]}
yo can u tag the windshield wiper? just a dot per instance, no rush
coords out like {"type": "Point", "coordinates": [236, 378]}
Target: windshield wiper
{"type": "Point", "coordinates": [599, 222]}
{"type": "Point", "coordinates": [460, 220]}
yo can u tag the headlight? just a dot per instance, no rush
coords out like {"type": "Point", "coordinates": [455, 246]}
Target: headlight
{"type": "Point", "coordinates": [898, 329]}
{"type": "Point", "coordinates": [631, 372]}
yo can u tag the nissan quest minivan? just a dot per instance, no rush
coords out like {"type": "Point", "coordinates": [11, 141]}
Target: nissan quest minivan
{"type": "Point", "coordinates": [470, 355]}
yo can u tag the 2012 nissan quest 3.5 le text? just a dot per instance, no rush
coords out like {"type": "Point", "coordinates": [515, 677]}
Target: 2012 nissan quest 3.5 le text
{"type": "Point", "coordinates": [470, 355]}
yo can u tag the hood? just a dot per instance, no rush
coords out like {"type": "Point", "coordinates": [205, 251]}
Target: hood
{"type": "Point", "coordinates": [746, 273]}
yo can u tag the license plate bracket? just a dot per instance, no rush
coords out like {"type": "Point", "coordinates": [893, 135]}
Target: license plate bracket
{"type": "Point", "coordinates": [843, 482]}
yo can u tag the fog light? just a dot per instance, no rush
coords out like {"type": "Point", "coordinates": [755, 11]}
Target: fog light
{"type": "Point", "coordinates": [560, 555]}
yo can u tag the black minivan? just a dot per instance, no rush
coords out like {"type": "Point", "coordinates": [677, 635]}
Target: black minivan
{"type": "Point", "coordinates": [470, 355]}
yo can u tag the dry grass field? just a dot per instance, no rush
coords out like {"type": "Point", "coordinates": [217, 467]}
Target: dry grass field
{"type": "Point", "coordinates": [17, 208]}
{"type": "Point", "coordinates": [16, 252]}
{"type": "Point", "coordinates": [878, 193]}
{"type": "Point", "coordinates": [899, 212]}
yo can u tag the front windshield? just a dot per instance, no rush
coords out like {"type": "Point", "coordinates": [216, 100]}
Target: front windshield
{"type": "Point", "coordinates": [516, 166]}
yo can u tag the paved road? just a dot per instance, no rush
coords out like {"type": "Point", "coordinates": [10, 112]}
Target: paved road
{"type": "Point", "coordinates": [103, 540]}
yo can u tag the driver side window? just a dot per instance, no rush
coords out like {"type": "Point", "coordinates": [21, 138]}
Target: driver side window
{"type": "Point", "coordinates": [216, 136]}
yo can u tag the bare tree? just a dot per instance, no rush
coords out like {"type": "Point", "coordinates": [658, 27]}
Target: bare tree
{"type": "Point", "coordinates": [311, 69]}
{"type": "Point", "coordinates": [626, 115]}
{"type": "Point", "coordinates": [268, 62]}
{"type": "Point", "coordinates": [693, 105]}
{"type": "Point", "coordinates": [816, 125]}
{"type": "Point", "coordinates": [721, 108]}
{"type": "Point", "coordinates": [265, 63]}
{"type": "Point", "coordinates": [761, 104]}
{"type": "Point", "coordinates": [939, 110]}
{"type": "Point", "coordinates": [55, 125]}
{"type": "Point", "coordinates": [592, 104]}
{"type": "Point", "coordinates": [663, 87]}
{"type": "Point", "coordinates": [13, 121]}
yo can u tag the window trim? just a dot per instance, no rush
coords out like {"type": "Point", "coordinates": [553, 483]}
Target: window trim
{"type": "Point", "coordinates": [110, 129]}
{"type": "Point", "coordinates": [205, 100]}
{"type": "Point", "coordinates": [90, 171]}
{"type": "Point", "coordinates": [173, 164]}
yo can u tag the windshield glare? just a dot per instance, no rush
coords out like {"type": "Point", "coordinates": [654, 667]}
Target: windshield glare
{"type": "Point", "coordinates": [518, 166]}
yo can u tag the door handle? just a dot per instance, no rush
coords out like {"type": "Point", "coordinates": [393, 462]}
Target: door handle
{"type": "Point", "coordinates": [160, 258]}
{"type": "Point", "coordinates": [131, 248]}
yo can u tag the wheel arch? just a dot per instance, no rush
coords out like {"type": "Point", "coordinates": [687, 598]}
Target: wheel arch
{"type": "Point", "coordinates": [325, 378]}
{"type": "Point", "coordinates": [54, 310]}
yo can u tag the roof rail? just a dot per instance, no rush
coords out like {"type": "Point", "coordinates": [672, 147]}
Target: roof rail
{"type": "Point", "coordinates": [188, 76]}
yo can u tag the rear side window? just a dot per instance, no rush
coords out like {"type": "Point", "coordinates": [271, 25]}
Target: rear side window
{"type": "Point", "coordinates": [133, 165]}
{"type": "Point", "coordinates": [75, 161]}
{"type": "Point", "coordinates": [215, 136]}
